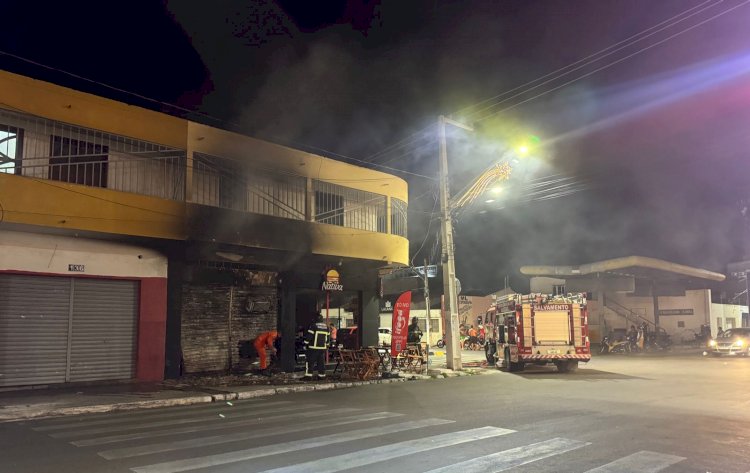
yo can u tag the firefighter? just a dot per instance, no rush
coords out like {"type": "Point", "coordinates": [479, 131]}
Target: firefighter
{"type": "Point", "coordinates": [265, 340]}
{"type": "Point", "coordinates": [316, 345]}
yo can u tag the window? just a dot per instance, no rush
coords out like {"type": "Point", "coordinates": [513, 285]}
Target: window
{"type": "Point", "coordinates": [78, 162]}
{"type": "Point", "coordinates": [558, 289]}
{"type": "Point", "coordinates": [11, 144]}
{"type": "Point", "coordinates": [329, 208]}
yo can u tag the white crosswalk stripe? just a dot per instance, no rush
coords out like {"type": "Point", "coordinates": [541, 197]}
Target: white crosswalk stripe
{"type": "Point", "coordinates": [185, 433]}
{"type": "Point", "coordinates": [389, 452]}
{"type": "Point", "coordinates": [642, 462]}
{"type": "Point", "coordinates": [267, 450]}
{"type": "Point", "coordinates": [164, 423]}
{"type": "Point", "coordinates": [514, 457]}
{"type": "Point", "coordinates": [166, 415]}
{"type": "Point", "coordinates": [219, 439]}
{"type": "Point", "coordinates": [203, 427]}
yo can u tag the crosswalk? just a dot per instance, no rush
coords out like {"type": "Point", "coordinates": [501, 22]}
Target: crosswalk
{"type": "Point", "coordinates": [271, 436]}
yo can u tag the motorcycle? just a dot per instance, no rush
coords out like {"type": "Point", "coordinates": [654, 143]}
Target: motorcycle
{"type": "Point", "coordinates": [615, 346]}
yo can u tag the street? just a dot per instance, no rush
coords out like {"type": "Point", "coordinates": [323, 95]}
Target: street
{"type": "Point", "coordinates": [618, 414]}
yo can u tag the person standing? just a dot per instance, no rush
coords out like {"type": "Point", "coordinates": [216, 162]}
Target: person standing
{"type": "Point", "coordinates": [316, 345]}
{"type": "Point", "coordinates": [414, 335]}
{"type": "Point", "coordinates": [265, 340]}
{"type": "Point", "coordinates": [333, 331]}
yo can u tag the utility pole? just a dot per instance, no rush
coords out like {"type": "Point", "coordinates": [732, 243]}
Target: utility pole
{"type": "Point", "coordinates": [450, 296]}
{"type": "Point", "coordinates": [427, 309]}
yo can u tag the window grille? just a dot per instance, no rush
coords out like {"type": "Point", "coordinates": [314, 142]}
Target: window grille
{"type": "Point", "coordinates": [49, 149]}
{"type": "Point", "coordinates": [398, 217]}
{"type": "Point", "coordinates": [226, 183]}
{"type": "Point", "coordinates": [346, 207]}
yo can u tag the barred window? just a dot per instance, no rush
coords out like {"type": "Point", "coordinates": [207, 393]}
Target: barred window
{"type": "Point", "coordinates": [398, 217]}
{"type": "Point", "coordinates": [11, 146]}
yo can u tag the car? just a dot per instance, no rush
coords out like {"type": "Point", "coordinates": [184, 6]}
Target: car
{"type": "Point", "coordinates": [384, 336]}
{"type": "Point", "coordinates": [733, 341]}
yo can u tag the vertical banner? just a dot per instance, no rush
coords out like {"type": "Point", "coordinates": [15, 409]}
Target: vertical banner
{"type": "Point", "coordinates": [400, 323]}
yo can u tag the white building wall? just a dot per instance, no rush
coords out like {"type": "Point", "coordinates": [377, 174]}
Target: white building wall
{"type": "Point", "coordinates": [726, 316]}
{"type": "Point", "coordinates": [544, 285]}
{"type": "Point", "coordinates": [51, 254]}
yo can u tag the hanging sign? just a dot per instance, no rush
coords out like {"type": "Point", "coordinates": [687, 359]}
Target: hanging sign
{"type": "Point", "coordinates": [400, 322]}
{"type": "Point", "coordinates": [331, 281]}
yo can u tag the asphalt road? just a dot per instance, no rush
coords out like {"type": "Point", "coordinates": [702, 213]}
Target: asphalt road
{"type": "Point", "coordinates": [618, 414]}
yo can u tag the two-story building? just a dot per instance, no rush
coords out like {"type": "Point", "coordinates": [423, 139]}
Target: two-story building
{"type": "Point", "coordinates": [135, 244]}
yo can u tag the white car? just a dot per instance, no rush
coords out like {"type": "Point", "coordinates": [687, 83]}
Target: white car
{"type": "Point", "coordinates": [384, 336]}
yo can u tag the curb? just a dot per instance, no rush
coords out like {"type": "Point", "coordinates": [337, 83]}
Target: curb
{"type": "Point", "coordinates": [44, 411]}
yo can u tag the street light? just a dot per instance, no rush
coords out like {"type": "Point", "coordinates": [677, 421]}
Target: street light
{"type": "Point", "coordinates": [450, 296]}
{"type": "Point", "coordinates": [495, 173]}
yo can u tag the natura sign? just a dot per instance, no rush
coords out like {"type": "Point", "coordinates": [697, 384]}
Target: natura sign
{"type": "Point", "coordinates": [331, 281]}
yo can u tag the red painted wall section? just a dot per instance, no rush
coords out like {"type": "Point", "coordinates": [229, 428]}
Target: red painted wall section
{"type": "Point", "coordinates": [152, 330]}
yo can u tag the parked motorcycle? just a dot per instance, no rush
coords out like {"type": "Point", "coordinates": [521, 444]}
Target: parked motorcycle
{"type": "Point", "coordinates": [615, 346]}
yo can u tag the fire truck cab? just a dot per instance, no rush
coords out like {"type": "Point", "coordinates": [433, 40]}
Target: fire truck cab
{"type": "Point", "coordinates": [539, 329]}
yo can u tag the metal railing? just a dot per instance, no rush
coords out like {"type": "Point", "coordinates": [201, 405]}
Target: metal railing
{"type": "Point", "coordinates": [226, 184]}
{"type": "Point", "coordinates": [347, 207]}
{"type": "Point", "coordinates": [40, 148]}
{"type": "Point", "coordinates": [47, 149]}
{"type": "Point", "coordinates": [398, 217]}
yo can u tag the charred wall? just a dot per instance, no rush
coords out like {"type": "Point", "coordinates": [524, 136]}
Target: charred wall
{"type": "Point", "coordinates": [220, 310]}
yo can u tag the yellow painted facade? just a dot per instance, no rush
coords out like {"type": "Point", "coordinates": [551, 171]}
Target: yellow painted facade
{"type": "Point", "coordinates": [54, 204]}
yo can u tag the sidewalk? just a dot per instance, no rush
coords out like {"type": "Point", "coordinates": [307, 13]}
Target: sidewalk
{"type": "Point", "coordinates": [27, 404]}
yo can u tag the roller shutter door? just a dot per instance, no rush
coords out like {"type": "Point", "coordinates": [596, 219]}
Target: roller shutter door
{"type": "Point", "coordinates": [34, 315]}
{"type": "Point", "coordinates": [57, 329]}
{"type": "Point", "coordinates": [104, 329]}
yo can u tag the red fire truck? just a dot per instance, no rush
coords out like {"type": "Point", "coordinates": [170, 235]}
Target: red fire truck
{"type": "Point", "coordinates": [539, 329]}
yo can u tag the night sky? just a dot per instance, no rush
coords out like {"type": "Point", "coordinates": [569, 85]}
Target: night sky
{"type": "Point", "coordinates": [656, 142]}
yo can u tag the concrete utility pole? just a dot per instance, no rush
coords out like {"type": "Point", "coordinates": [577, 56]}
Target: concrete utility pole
{"type": "Point", "coordinates": [427, 309]}
{"type": "Point", "coordinates": [450, 296]}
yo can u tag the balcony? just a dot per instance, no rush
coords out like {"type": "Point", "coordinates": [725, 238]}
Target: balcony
{"type": "Point", "coordinates": [48, 150]}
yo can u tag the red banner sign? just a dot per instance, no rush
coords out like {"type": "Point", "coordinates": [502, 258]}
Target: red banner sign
{"type": "Point", "coordinates": [400, 323]}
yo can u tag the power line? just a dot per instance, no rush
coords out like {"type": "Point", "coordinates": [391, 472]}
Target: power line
{"type": "Point", "coordinates": [427, 233]}
{"type": "Point", "coordinates": [592, 58]}
{"type": "Point", "coordinates": [586, 61]}
{"type": "Point", "coordinates": [186, 110]}
{"type": "Point", "coordinates": [607, 66]}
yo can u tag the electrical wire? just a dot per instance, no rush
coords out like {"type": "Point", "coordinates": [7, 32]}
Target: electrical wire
{"type": "Point", "coordinates": [427, 233]}
{"type": "Point", "coordinates": [186, 110]}
{"type": "Point", "coordinates": [586, 61]}
{"type": "Point", "coordinates": [592, 58]}
{"type": "Point", "coordinates": [607, 66]}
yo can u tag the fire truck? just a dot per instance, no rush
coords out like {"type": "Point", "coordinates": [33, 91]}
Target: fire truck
{"type": "Point", "coordinates": [538, 329]}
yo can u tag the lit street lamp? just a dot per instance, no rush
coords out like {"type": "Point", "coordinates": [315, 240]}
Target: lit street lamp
{"type": "Point", "coordinates": [495, 173]}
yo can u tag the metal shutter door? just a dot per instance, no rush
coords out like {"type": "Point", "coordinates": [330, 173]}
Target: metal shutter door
{"type": "Point", "coordinates": [104, 329]}
{"type": "Point", "coordinates": [34, 313]}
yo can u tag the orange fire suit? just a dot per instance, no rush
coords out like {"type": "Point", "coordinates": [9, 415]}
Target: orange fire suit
{"type": "Point", "coordinates": [265, 340]}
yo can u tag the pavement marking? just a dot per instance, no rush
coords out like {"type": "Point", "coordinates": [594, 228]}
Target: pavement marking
{"type": "Point", "coordinates": [642, 462]}
{"type": "Point", "coordinates": [201, 428]}
{"type": "Point", "coordinates": [293, 446]}
{"type": "Point", "coordinates": [389, 452]}
{"type": "Point", "coordinates": [163, 415]}
{"type": "Point", "coordinates": [163, 423]}
{"type": "Point", "coordinates": [514, 457]}
{"type": "Point", "coordinates": [140, 412]}
{"type": "Point", "coordinates": [234, 437]}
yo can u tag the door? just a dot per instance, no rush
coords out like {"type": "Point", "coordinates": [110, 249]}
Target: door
{"type": "Point", "coordinates": [59, 329]}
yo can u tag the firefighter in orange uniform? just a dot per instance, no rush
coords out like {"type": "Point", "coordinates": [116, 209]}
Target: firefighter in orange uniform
{"type": "Point", "coordinates": [265, 340]}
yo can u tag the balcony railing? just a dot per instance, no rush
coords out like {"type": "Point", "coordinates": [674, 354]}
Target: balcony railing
{"type": "Point", "coordinates": [46, 149]}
